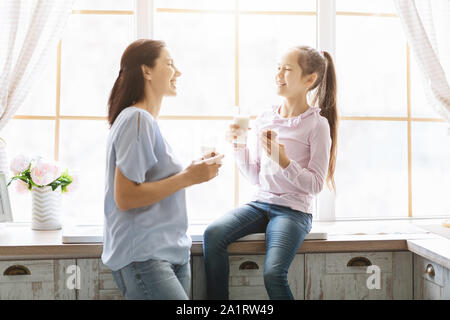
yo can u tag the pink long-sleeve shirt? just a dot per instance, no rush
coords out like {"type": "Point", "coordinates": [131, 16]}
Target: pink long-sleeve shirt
{"type": "Point", "coordinates": [307, 144]}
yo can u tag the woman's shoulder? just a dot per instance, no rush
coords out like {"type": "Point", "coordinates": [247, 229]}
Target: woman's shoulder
{"type": "Point", "coordinates": [135, 112]}
{"type": "Point", "coordinates": [134, 117]}
{"type": "Point", "coordinates": [133, 122]}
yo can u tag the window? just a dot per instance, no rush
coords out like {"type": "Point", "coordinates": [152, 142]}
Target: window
{"type": "Point", "coordinates": [67, 113]}
{"type": "Point", "coordinates": [227, 51]}
{"type": "Point", "coordinates": [386, 167]}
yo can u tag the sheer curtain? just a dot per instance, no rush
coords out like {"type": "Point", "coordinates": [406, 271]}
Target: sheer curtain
{"type": "Point", "coordinates": [427, 27]}
{"type": "Point", "coordinates": [30, 29]}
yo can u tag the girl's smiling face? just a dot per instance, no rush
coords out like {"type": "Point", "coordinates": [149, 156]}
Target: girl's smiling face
{"type": "Point", "coordinates": [290, 80]}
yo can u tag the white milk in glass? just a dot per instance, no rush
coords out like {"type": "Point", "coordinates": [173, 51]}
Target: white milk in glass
{"type": "Point", "coordinates": [242, 121]}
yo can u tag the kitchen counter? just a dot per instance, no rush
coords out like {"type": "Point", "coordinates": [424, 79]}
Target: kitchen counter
{"type": "Point", "coordinates": [19, 242]}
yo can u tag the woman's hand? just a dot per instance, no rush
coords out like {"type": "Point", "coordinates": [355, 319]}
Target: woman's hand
{"type": "Point", "coordinates": [204, 170]}
{"type": "Point", "coordinates": [231, 135]}
{"type": "Point", "coordinates": [273, 149]}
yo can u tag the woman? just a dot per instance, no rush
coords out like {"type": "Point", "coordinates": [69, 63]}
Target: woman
{"type": "Point", "coordinates": [295, 151]}
{"type": "Point", "coordinates": [145, 241]}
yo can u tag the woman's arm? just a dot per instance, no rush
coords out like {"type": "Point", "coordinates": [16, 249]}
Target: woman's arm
{"type": "Point", "coordinates": [130, 195]}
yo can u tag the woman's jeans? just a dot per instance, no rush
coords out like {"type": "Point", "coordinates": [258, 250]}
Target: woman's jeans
{"type": "Point", "coordinates": [285, 230]}
{"type": "Point", "coordinates": [154, 280]}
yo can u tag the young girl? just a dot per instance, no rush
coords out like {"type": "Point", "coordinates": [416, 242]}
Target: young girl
{"type": "Point", "coordinates": [145, 241]}
{"type": "Point", "coordinates": [296, 152]}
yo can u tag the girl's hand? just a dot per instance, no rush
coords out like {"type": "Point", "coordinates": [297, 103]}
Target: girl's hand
{"type": "Point", "coordinates": [273, 149]}
{"type": "Point", "coordinates": [231, 135]}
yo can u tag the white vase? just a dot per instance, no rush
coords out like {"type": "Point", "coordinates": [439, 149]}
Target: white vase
{"type": "Point", "coordinates": [46, 209]}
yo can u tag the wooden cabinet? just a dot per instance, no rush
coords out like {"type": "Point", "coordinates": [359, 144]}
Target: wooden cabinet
{"type": "Point", "coordinates": [341, 276]}
{"type": "Point", "coordinates": [353, 276]}
{"type": "Point", "coordinates": [96, 281]}
{"type": "Point", "coordinates": [431, 280]}
{"type": "Point", "coordinates": [246, 280]}
{"type": "Point", "coordinates": [36, 280]}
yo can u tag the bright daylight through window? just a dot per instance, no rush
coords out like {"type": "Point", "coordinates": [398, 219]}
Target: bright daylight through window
{"type": "Point", "coordinates": [227, 52]}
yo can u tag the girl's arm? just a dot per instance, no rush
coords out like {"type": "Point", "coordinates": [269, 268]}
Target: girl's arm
{"type": "Point", "coordinates": [311, 178]}
{"type": "Point", "coordinates": [249, 166]}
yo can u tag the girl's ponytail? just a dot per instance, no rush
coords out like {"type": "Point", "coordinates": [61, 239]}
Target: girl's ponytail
{"type": "Point", "coordinates": [325, 96]}
{"type": "Point", "coordinates": [327, 101]}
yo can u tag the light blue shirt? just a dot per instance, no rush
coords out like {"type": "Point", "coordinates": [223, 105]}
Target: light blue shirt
{"type": "Point", "coordinates": [158, 231]}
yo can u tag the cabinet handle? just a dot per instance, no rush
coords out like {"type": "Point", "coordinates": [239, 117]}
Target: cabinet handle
{"type": "Point", "coordinates": [248, 265]}
{"type": "Point", "coordinates": [359, 262]}
{"type": "Point", "coordinates": [429, 270]}
{"type": "Point", "coordinates": [17, 270]}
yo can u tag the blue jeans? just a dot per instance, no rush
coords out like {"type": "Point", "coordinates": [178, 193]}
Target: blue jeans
{"type": "Point", "coordinates": [285, 230]}
{"type": "Point", "coordinates": [154, 280]}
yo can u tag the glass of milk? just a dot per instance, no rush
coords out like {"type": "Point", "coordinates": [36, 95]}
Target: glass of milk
{"type": "Point", "coordinates": [242, 120]}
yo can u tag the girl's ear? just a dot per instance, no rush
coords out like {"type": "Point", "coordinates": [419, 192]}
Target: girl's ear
{"type": "Point", "coordinates": [311, 79]}
{"type": "Point", "coordinates": [146, 72]}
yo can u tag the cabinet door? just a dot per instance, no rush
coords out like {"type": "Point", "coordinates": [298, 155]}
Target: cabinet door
{"type": "Point", "coordinates": [36, 279]}
{"type": "Point", "coordinates": [358, 275]}
{"type": "Point", "coordinates": [431, 280]}
{"type": "Point", "coordinates": [246, 280]}
{"type": "Point", "coordinates": [96, 281]}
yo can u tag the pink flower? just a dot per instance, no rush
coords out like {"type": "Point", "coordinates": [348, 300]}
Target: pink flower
{"type": "Point", "coordinates": [20, 164]}
{"type": "Point", "coordinates": [21, 187]}
{"type": "Point", "coordinates": [74, 185]}
{"type": "Point", "coordinates": [44, 172]}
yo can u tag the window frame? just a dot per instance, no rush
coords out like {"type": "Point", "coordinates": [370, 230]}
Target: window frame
{"type": "Point", "coordinates": [145, 14]}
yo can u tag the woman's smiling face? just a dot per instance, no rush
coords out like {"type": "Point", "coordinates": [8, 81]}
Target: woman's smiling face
{"type": "Point", "coordinates": [164, 74]}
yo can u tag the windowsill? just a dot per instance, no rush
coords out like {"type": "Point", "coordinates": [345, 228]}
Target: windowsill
{"type": "Point", "coordinates": [19, 242]}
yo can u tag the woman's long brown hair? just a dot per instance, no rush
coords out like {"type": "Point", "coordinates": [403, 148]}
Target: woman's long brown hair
{"type": "Point", "coordinates": [311, 60]}
{"type": "Point", "coordinates": [129, 86]}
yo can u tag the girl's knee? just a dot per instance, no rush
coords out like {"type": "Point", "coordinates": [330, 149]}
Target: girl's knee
{"type": "Point", "coordinates": [274, 275]}
{"type": "Point", "coordinates": [213, 234]}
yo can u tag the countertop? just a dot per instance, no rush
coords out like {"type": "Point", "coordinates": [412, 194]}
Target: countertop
{"type": "Point", "coordinates": [19, 242]}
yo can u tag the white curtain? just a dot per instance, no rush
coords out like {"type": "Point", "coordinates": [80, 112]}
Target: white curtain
{"type": "Point", "coordinates": [427, 27]}
{"type": "Point", "coordinates": [30, 29]}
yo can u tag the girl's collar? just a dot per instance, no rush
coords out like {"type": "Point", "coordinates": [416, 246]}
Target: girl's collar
{"type": "Point", "coordinates": [293, 121]}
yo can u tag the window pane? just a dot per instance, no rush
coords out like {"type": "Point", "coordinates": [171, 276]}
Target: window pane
{"type": "Point", "coordinates": [104, 5]}
{"type": "Point", "coordinates": [83, 148]}
{"type": "Point", "coordinates": [202, 46]}
{"type": "Point", "coordinates": [430, 172]}
{"type": "Point", "coordinates": [262, 39]}
{"type": "Point", "coordinates": [42, 98]}
{"type": "Point", "coordinates": [279, 5]}
{"type": "Point", "coordinates": [87, 73]}
{"type": "Point", "coordinates": [419, 104]}
{"type": "Point", "coordinates": [372, 170]}
{"type": "Point", "coordinates": [209, 200]}
{"type": "Point", "coordinates": [33, 138]}
{"type": "Point", "coordinates": [371, 72]}
{"type": "Point", "coordinates": [370, 6]}
{"type": "Point", "coordinates": [196, 4]}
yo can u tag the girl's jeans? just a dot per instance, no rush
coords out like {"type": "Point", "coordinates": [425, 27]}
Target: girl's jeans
{"type": "Point", "coordinates": [154, 280]}
{"type": "Point", "coordinates": [285, 230]}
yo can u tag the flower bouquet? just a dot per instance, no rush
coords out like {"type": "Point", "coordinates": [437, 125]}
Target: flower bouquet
{"type": "Point", "coordinates": [46, 181]}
